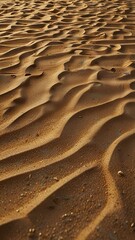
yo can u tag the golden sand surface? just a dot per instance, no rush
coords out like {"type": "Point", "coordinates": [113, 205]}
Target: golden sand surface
{"type": "Point", "coordinates": [67, 120]}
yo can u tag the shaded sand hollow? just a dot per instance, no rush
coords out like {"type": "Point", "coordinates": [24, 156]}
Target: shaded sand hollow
{"type": "Point", "coordinates": [67, 120]}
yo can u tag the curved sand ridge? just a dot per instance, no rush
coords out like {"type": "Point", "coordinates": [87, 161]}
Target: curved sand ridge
{"type": "Point", "coordinates": [67, 120]}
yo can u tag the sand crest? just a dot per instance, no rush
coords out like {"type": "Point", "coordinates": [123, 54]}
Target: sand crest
{"type": "Point", "coordinates": [67, 120]}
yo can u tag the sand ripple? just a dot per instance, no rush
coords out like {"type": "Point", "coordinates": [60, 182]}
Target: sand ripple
{"type": "Point", "coordinates": [67, 119]}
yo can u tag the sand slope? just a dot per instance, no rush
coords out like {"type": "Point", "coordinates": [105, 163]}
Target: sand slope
{"type": "Point", "coordinates": [67, 120]}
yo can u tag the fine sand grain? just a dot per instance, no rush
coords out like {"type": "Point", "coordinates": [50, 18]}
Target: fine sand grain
{"type": "Point", "coordinates": [67, 120]}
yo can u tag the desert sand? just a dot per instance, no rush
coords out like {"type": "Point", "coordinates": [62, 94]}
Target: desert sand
{"type": "Point", "coordinates": [67, 120]}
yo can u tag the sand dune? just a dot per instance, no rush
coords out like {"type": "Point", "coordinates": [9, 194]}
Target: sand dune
{"type": "Point", "coordinates": [67, 120]}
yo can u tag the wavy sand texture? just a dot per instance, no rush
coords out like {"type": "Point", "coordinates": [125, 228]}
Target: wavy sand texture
{"type": "Point", "coordinates": [67, 120]}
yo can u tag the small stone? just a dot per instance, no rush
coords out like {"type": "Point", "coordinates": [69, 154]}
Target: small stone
{"type": "Point", "coordinates": [132, 225]}
{"type": "Point", "coordinates": [31, 230]}
{"type": "Point", "coordinates": [64, 215]}
{"type": "Point", "coordinates": [30, 176]}
{"type": "Point", "coordinates": [113, 69]}
{"type": "Point", "coordinates": [56, 179]}
{"type": "Point", "coordinates": [120, 173]}
{"type": "Point", "coordinates": [17, 210]}
{"type": "Point", "coordinates": [40, 234]}
{"type": "Point", "coordinates": [13, 76]}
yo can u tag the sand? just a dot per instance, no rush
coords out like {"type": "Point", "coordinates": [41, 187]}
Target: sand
{"type": "Point", "coordinates": [67, 120]}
